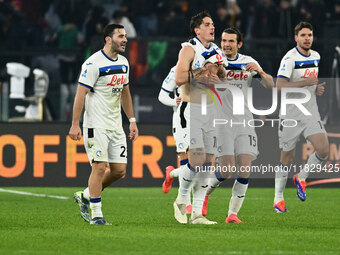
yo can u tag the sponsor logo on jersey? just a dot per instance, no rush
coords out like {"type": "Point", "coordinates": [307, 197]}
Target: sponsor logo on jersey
{"type": "Point", "coordinates": [236, 76]}
{"type": "Point", "coordinates": [116, 92]}
{"type": "Point", "coordinates": [310, 73]}
{"type": "Point", "coordinates": [117, 80]}
{"type": "Point", "coordinates": [219, 58]}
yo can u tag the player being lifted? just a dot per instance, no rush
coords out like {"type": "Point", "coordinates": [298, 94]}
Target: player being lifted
{"type": "Point", "coordinates": [170, 95]}
{"type": "Point", "coordinates": [299, 69]}
{"type": "Point", "coordinates": [201, 135]}
{"type": "Point", "coordinates": [104, 86]}
{"type": "Point", "coordinates": [237, 142]}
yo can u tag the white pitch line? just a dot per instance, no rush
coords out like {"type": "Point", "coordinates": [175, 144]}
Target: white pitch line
{"type": "Point", "coordinates": [31, 194]}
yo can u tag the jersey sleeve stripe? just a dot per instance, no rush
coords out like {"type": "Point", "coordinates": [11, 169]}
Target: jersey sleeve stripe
{"type": "Point", "coordinates": [166, 90]}
{"type": "Point", "coordinates": [126, 84]}
{"type": "Point", "coordinates": [284, 77]}
{"type": "Point", "coordinates": [86, 86]}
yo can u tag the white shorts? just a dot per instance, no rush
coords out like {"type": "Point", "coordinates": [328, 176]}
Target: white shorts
{"type": "Point", "coordinates": [195, 130]}
{"type": "Point", "coordinates": [105, 145]}
{"type": "Point", "coordinates": [236, 141]}
{"type": "Point", "coordinates": [289, 136]}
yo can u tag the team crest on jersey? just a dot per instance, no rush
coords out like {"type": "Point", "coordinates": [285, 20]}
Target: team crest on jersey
{"type": "Point", "coordinates": [197, 64]}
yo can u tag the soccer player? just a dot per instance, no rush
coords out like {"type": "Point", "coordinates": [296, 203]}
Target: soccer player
{"type": "Point", "coordinates": [299, 69]}
{"type": "Point", "coordinates": [236, 140]}
{"type": "Point", "coordinates": [201, 139]}
{"type": "Point", "coordinates": [104, 86]}
{"type": "Point", "coordinates": [170, 95]}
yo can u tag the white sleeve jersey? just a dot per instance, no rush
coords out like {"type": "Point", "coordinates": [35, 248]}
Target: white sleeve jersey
{"type": "Point", "coordinates": [202, 53]}
{"type": "Point", "coordinates": [294, 67]}
{"type": "Point", "coordinates": [105, 77]}
{"type": "Point", "coordinates": [237, 76]}
{"type": "Point", "coordinates": [169, 86]}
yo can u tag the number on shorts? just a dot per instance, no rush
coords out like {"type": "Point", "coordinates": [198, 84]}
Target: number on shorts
{"type": "Point", "coordinates": [215, 142]}
{"type": "Point", "coordinates": [123, 154]}
{"type": "Point", "coordinates": [252, 140]}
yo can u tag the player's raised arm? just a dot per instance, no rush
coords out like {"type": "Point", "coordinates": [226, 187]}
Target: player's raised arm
{"type": "Point", "coordinates": [164, 98]}
{"type": "Point", "coordinates": [183, 73]}
{"type": "Point", "coordinates": [267, 80]}
{"type": "Point", "coordinates": [183, 66]}
{"type": "Point", "coordinates": [168, 86]}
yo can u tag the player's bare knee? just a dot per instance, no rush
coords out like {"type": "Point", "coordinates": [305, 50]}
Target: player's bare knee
{"type": "Point", "coordinates": [99, 168]}
{"type": "Point", "coordinates": [287, 157]}
{"type": "Point", "coordinates": [121, 172]}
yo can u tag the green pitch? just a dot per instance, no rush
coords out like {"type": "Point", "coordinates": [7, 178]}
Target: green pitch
{"type": "Point", "coordinates": [143, 223]}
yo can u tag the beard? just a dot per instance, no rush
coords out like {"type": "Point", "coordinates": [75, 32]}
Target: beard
{"type": "Point", "coordinates": [115, 47]}
{"type": "Point", "coordinates": [305, 48]}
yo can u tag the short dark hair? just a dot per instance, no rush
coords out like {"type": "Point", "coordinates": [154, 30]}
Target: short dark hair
{"type": "Point", "coordinates": [234, 30]}
{"type": "Point", "coordinates": [301, 25]}
{"type": "Point", "coordinates": [109, 29]}
{"type": "Point", "coordinates": [197, 20]}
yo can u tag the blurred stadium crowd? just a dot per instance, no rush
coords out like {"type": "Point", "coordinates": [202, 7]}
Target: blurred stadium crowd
{"type": "Point", "coordinates": [58, 35]}
{"type": "Point", "coordinates": [40, 22]}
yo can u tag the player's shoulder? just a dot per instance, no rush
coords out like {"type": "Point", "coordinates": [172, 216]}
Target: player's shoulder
{"type": "Point", "coordinates": [245, 58]}
{"type": "Point", "coordinates": [291, 54]}
{"type": "Point", "coordinates": [93, 59]}
{"type": "Point", "coordinates": [294, 54]}
{"type": "Point", "coordinates": [192, 43]}
{"type": "Point", "coordinates": [214, 46]}
{"type": "Point", "coordinates": [314, 54]}
{"type": "Point", "coordinates": [123, 59]}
